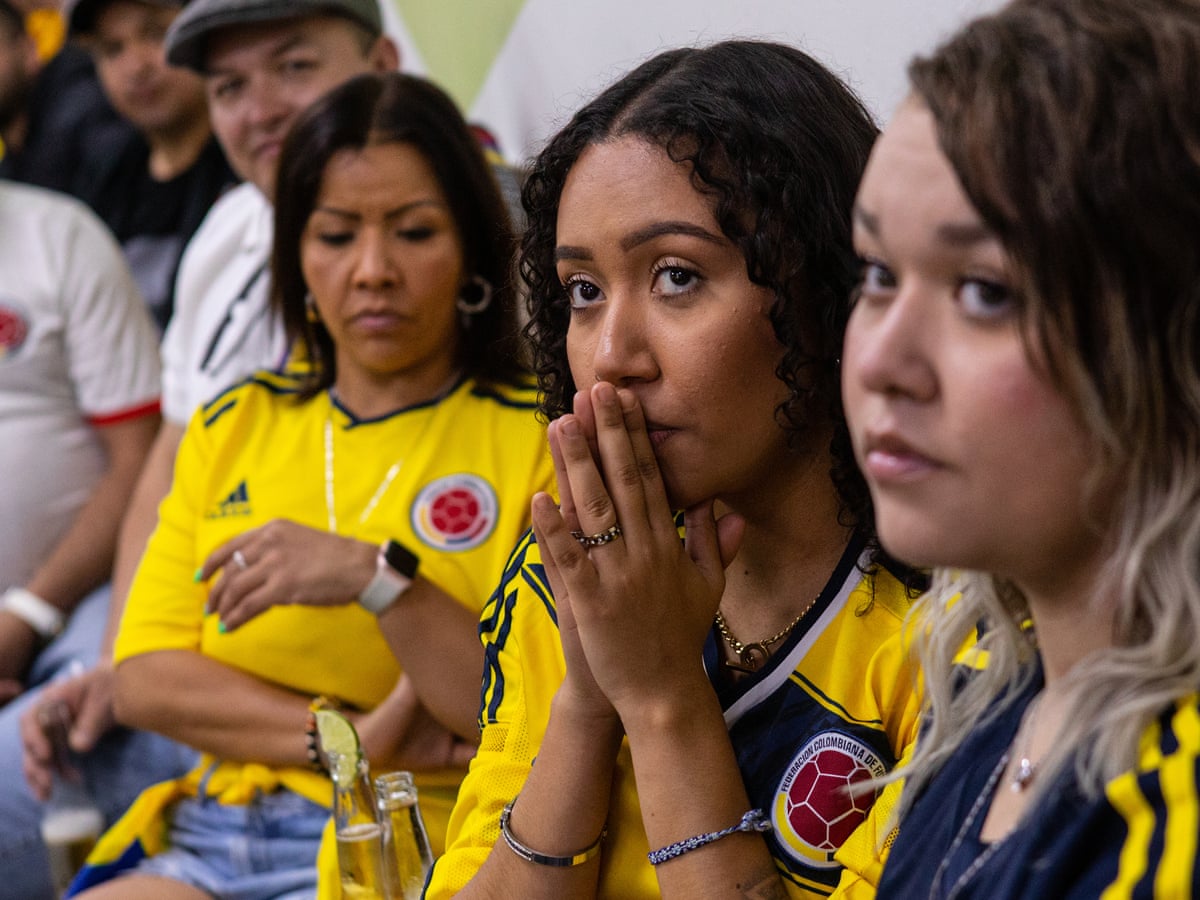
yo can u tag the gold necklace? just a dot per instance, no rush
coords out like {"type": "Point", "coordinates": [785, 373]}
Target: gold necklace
{"type": "Point", "coordinates": [393, 469]}
{"type": "Point", "coordinates": [388, 478]}
{"type": "Point", "coordinates": [754, 654]}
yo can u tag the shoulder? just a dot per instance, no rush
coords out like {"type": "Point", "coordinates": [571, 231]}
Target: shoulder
{"type": "Point", "coordinates": [258, 398]}
{"type": "Point", "coordinates": [234, 217]}
{"type": "Point", "coordinates": [58, 235]}
{"type": "Point", "coordinates": [518, 396]}
{"type": "Point", "coordinates": [39, 207]}
{"type": "Point", "coordinates": [1168, 771]}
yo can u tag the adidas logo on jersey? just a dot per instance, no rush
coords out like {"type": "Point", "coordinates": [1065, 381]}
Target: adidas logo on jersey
{"type": "Point", "coordinates": [236, 504]}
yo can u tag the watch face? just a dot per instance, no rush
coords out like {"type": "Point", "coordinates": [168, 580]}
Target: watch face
{"type": "Point", "coordinates": [401, 559]}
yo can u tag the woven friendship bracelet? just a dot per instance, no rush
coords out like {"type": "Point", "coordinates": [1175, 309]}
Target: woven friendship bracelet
{"type": "Point", "coordinates": [543, 859]}
{"type": "Point", "coordinates": [312, 741]}
{"type": "Point", "coordinates": [751, 821]}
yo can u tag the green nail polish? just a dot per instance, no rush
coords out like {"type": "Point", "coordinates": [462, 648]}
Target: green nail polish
{"type": "Point", "coordinates": [221, 629]}
{"type": "Point", "coordinates": [197, 575]}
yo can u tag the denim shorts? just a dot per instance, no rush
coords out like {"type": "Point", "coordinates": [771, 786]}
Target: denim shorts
{"type": "Point", "coordinates": [266, 850]}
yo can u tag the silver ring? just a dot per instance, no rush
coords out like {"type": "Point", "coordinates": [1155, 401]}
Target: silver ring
{"type": "Point", "coordinates": [600, 538]}
{"type": "Point", "coordinates": [239, 560]}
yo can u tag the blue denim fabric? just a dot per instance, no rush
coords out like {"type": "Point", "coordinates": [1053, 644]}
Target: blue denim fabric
{"type": "Point", "coordinates": [266, 850]}
{"type": "Point", "coordinates": [122, 765]}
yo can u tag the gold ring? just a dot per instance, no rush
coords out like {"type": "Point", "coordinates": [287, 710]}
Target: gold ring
{"type": "Point", "coordinates": [607, 536]}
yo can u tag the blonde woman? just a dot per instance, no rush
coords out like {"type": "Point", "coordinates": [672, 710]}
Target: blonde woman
{"type": "Point", "coordinates": [1020, 374]}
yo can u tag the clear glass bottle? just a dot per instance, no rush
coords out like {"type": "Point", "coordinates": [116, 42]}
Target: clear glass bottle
{"type": "Point", "coordinates": [360, 836]}
{"type": "Point", "coordinates": [406, 843]}
{"type": "Point", "coordinates": [71, 819]}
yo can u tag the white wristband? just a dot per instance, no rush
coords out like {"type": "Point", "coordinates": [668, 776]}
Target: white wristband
{"type": "Point", "coordinates": [35, 612]}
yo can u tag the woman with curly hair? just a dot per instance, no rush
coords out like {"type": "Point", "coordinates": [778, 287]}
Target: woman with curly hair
{"type": "Point", "coordinates": [1023, 380]}
{"type": "Point", "coordinates": [689, 263]}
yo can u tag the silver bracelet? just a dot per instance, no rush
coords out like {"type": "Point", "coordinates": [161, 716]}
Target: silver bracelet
{"type": "Point", "coordinates": [754, 820]}
{"type": "Point", "coordinates": [543, 859]}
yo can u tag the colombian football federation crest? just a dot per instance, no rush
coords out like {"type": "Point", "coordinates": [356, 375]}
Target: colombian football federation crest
{"type": "Point", "coordinates": [14, 328]}
{"type": "Point", "coordinates": [457, 512]}
{"type": "Point", "coordinates": [813, 812]}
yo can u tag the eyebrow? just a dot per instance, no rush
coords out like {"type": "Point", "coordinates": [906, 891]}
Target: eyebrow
{"type": "Point", "coordinates": [959, 234]}
{"type": "Point", "coordinates": [641, 236]}
{"type": "Point", "coordinates": [390, 214]}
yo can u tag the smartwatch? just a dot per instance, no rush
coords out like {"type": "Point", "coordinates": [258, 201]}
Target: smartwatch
{"type": "Point", "coordinates": [395, 569]}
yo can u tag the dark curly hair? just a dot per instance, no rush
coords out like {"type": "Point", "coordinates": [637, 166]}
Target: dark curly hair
{"type": "Point", "coordinates": [780, 144]}
{"type": "Point", "coordinates": [395, 108]}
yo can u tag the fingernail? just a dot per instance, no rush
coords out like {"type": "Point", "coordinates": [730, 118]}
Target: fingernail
{"type": "Point", "coordinates": [570, 427]}
{"type": "Point", "coordinates": [198, 575]}
{"type": "Point", "coordinates": [221, 628]}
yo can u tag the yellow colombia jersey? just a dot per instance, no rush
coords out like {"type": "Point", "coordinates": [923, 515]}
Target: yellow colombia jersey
{"type": "Point", "coordinates": [467, 468]}
{"type": "Point", "coordinates": [835, 703]}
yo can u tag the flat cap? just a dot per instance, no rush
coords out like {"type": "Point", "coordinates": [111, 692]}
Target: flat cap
{"type": "Point", "coordinates": [188, 34]}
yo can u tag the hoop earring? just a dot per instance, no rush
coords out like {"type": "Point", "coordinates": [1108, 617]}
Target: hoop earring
{"type": "Point", "coordinates": [310, 308]}
{"type": "Point", "coordinates": [474, 307]}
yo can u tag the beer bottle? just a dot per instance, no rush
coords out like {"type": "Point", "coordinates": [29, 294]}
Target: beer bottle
{"type": "Point", "coordinates": [358, 830]}
{"type": "Point", "coordinates": [406, 845]}
{"type": "Point", "coordinates": [71, 820]}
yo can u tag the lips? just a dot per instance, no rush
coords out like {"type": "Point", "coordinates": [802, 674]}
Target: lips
{"type": "Point", "coordinates": [373, 319]}
{"type": "Point", "coordinates": [267, 149]}
{"type": "Point", "coordinates": [659, 434]}
{"type": "Point", "coordinates": [888, 457]}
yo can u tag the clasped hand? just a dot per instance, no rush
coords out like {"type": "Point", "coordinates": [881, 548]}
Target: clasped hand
{"type": "Point", "coordinates": [633, 612]}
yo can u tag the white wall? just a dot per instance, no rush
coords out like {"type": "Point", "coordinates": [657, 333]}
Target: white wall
{"type": "Point", "coordinates": [521, 67]}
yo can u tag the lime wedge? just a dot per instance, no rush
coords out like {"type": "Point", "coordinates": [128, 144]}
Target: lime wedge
{"type": "Point", "coordinates": [339, 740]}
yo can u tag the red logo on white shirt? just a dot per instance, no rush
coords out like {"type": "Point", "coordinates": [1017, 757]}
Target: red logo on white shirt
{"type": "Point", "coordinates": [13, 330]}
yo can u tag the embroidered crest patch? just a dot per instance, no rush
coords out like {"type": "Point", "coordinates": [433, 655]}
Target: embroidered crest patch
{"type": "Point", "coordinates": [813, 812]}
{"type": "Point", "coordinates": [457, 512]}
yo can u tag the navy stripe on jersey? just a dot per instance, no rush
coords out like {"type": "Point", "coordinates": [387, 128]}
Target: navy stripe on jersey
{"type": "Point", "coordinates": [527, 402]}
{"type": "Point", "coordinates": [496, 622]}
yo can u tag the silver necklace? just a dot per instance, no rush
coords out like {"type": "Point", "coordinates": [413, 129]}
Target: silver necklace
{"type": "Point", "coordinates": [1022, 777]}
{"type": "Point", "coordinates": [1026, 768]}
{"type": "Point", "coordinates": [935, 888]}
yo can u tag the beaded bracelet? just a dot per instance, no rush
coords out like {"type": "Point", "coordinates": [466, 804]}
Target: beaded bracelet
{"type": "Point", "coordinates": [312, 742]}
{"type": "Point", "coordinates": [544, 859]}
{"type": "Point", "coordinates": [754, 820]}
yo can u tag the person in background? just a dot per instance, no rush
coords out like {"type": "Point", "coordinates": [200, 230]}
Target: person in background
{"type": "Point", "coordinates": [153, 190]}
{"type": "Point", "coordinates": [262, 64]}
{"type": "Point", "coordinates": [391, 470]}
{"type": "Point", "coordinates": [1022, 377]}
{"type": "Point", "coordinates": [54, 117]}
{"type": "Point", "coordinates": [689, 264]}
{"type": "Point", "coordinates": [79, 388]}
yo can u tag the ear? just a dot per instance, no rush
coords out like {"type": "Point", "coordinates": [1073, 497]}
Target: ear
{"type": "Point", "coordinates": [385, 55]}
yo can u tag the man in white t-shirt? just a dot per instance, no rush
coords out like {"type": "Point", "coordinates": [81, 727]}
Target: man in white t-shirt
{"type": "Point", "coordinates": [79, 401]}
